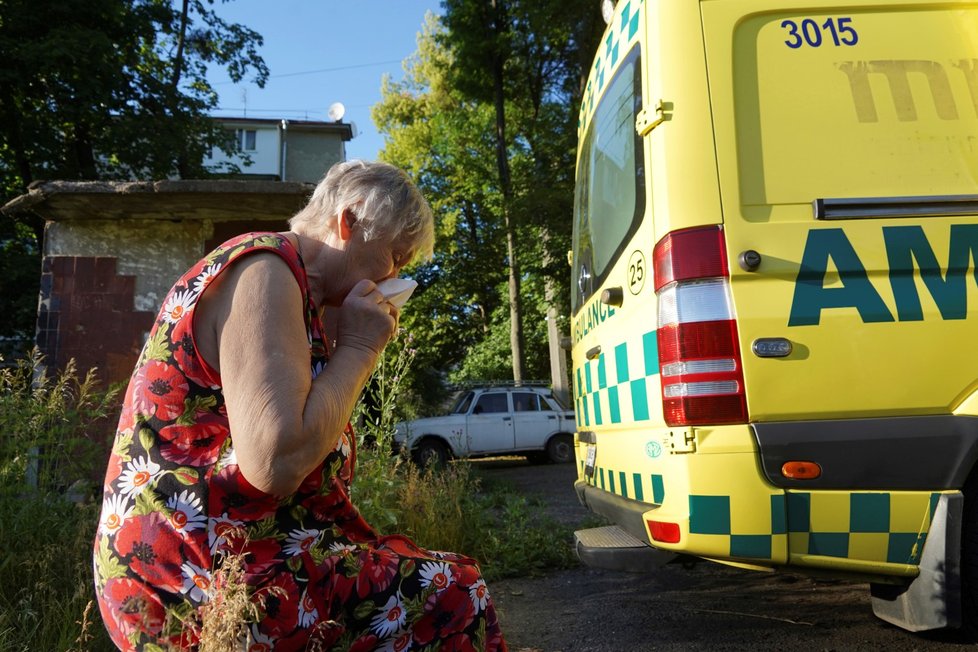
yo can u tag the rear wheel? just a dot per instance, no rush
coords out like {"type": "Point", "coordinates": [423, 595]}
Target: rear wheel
{"type": "Point", "coordinates": [560, 449]}
{"type": "Point", "coordinates": [431, 453]}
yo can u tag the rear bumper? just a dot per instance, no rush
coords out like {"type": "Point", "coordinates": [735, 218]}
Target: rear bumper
{"type": "Point", "coordinates": [628, 514]}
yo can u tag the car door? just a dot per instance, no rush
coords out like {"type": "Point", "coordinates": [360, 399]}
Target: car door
{"type": "Point", "coordinates": [533, 420]}
{"type": "Point", "coordinates": [490, 424]}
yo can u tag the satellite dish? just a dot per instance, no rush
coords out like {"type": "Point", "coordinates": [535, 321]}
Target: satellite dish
{"type": "Point", "coordinates": [607, 10]}
{"type": "Point", "coordinates": [336, 111]}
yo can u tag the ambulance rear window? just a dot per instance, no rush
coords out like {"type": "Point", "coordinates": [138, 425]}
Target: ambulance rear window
{"type": "Point", "coordinates": [610, 195]}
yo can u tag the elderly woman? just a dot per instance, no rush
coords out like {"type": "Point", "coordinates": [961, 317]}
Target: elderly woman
{"type": "Point", "coordinates": [234, 443]}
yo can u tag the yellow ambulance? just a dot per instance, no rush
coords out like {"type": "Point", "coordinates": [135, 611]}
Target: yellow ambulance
{"type": "Point", "coordinates": [774, 311]}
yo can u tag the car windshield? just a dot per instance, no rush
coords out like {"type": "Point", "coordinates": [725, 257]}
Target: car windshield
{"type": "Point", "coordinates": [556, 401]}
{"type": "Point", "coordinates": [462, 404]}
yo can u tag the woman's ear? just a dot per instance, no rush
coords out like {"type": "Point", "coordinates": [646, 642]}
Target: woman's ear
{"type": "Point", "coordinates": [347, 218]}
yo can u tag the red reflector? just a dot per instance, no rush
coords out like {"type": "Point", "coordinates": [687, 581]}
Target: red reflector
{"type": "Point", "coordinates": [698, 340]}
{"type": "Point", "coordinates": [704, 410]}
{"type": "Point", "coordinates": [691, 254]}
{"type": "Point", "coordinates": [664, 532]}
{"type": "Point", "coordinates": [798, 470]}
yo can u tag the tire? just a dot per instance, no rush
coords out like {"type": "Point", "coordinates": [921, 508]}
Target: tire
{"type": "Point", "coordinates": [431, 453]}
{"type": "Point", "coordinates": [560, 449]}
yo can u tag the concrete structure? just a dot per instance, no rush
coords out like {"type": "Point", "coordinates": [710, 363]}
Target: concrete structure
{"type": "Point", "coordinates": [284, 150]}
{"type": "Point", "coordinates": [113, 249]}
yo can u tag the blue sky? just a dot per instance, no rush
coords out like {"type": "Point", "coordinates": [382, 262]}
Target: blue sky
{"type": "Point", "coordinates": [320, 52]}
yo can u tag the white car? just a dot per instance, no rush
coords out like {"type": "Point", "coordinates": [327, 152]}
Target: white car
{"type": "Point", "coordinates": [486, 421]}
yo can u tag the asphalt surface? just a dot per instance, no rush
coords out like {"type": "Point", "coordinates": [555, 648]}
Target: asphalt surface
{"type": "Point", "coordinates": [707, 606]}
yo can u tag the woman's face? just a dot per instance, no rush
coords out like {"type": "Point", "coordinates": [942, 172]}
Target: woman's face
{"type": "Point", "coordinates": [377, 259]}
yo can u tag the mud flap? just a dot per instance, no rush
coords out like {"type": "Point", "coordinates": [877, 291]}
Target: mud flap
{"type": "Point", "coordinates": [933, 599]}
{"type": "Point", "coordinates": [613, 548]}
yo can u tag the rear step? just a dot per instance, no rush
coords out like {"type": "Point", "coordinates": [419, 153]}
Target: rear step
{"type": "Point", "coordinates": [613, 548]}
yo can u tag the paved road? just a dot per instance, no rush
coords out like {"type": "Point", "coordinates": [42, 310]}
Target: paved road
{"type": "Point", "coordinates": [706, 607]}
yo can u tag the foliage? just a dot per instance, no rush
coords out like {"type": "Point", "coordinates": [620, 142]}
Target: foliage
{"type": "Point", "coordinates": [46, 600]}
{"type": "Point", "coordinates": [49, 427]}
{"type": "Point", "coordinates": [447, 509]}
{"type": "Point", "coordinates": [104, 89]}
{"type": "Point", "coordinates": [20, 270]}
{"type": "Point", "coordinates": [439, 124]}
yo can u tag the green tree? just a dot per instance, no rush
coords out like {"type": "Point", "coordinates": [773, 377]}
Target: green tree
{"type": "Point", "coordinates": [105, 89]}
{"type": "Point", "coordinates": [443, 124]}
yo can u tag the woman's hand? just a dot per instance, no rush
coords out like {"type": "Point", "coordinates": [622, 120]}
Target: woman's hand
{"type": "Point", "coordinates": [367, 321]}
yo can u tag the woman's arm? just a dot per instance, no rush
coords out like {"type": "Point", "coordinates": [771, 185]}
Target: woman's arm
{"type": "Point", "coordinates": [283, 422]}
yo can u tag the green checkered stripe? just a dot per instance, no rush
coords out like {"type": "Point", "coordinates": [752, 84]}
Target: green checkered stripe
{"type": "Point", "coordinates": [868, 535]}
{"type": "Point", "coordinates": [869, 521]}
{"type": "Point", "coordinates": [711, 515]}
{"type": "Point", "coordinates": [600, 385]}
{"type": "Point", "coordinates": [636, 486]}
{"type": "Point", "coordinates": [618, 38]}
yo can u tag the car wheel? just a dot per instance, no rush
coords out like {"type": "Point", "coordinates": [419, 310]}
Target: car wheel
{"type": "Point", "coordinates": [431, 453]}
{"type": "Point", "coordinates": [560, 449]}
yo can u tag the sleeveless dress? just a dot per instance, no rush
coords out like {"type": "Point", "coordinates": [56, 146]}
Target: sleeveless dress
{"type": "Point", "coordinates": [175, 504]}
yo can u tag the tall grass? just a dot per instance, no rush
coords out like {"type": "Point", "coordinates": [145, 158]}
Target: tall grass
{"type": "Point", "coordinates": [445, 509]}
{"type": "Point", "coordinates": [49, 457]}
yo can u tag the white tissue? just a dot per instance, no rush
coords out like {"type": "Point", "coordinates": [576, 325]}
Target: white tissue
{"type": "Point", "coordinates": [397, 290]}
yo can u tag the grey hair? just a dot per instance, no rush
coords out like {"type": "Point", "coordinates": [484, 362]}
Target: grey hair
{"type": "Point", "coordinates": [385, 201]}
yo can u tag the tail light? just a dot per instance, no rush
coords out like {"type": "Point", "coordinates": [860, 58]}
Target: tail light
{"type": "Point", "coordinates": [699, 355]}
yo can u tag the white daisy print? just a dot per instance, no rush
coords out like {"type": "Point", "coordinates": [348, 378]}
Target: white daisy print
{"type": "Point", "coordinates": [187, 514]}
{"type": "Point", "coordinates": [436, 574]}
{"type": "Point", "coordinates": [479, 594]}
{"type": "Point", "coordinates": [177, 305]}
{"type": "Point", "coordinates": [338, 548]}
{"type": "Point", "coordinates": [258, 642]}
{"type": "Point", "coordinates": [138, 474]}
{"type": "Point", "coordinates": [196, 582]}
{"type": "Point", "coordinates": [217, 529]}
{"type": "Point", "coordinates": [205, 277]}
{"type": "Point", "coordinates": [115, 510]}
{"type": "Point", "coordinates": [307, 610]}
{"type": "Point", "coordinates": [300, 541]}
{"type": "Point", "coordinates": [391, 617]}
{"type": "Point", "coordinates": [228, 457]}
{"type": "Point", "coordinates": [398, 643]}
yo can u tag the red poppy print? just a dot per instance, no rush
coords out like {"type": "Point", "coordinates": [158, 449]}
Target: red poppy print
{"type": "Point", "coordinates": [196, 444]}
{"type": "Point", "coordinates": [134, 607]}
{"type": "Point", "coordinates": [366, 643]}
{"type": "Point", "coordinates": [278, 601]}
{"type": "Point", "coordinates": [155, 552]}
{"type": "Point", "coordinates": [162, 388]}
{"type": "Point", "coordinates": [445, 613]}
{"type": "Point", "coordinates": [232, 494]}
{"type": "Point", "coordinates": [379, 567]}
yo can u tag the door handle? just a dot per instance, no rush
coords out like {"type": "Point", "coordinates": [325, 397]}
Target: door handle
{"type": "Point", "coordinates": [593, 352]}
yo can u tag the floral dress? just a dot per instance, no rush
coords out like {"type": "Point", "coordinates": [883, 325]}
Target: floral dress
{"type": "Point", "coordinates": [175, 504]}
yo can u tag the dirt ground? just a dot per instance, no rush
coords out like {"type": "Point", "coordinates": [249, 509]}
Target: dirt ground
{"type": "Point", "coordinates": [704, 607]}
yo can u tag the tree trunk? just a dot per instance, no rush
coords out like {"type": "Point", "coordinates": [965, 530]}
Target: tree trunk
{"type": "Point", "coordinates": [516, 339]}
{"type": "Point", "coordinates": [176, 74]}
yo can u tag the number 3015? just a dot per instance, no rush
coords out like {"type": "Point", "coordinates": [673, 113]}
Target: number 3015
{"type": "Point", "coordinates": [839, 30]}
